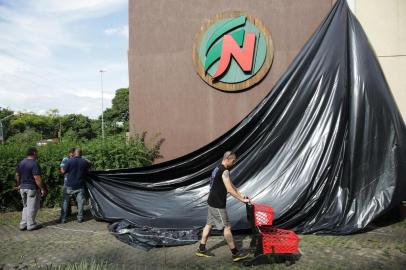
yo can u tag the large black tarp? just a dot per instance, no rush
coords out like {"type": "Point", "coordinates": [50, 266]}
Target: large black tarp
{"type": "Point", "coordinates": [326, 149]}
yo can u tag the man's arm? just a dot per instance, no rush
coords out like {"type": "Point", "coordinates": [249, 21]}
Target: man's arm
{"type": "Point", "coordinates": [17, 181]}
{"type": "Point", "coordinates": [40, 184]}
{"type": "Point", "coordinates": [17, 177]}
{"type": "Point", "coordinates": [231, 188]}
{"type": "Point", "coordinates": [89, 163]}
{"type": "Point", "coordinates": [36, 172]}
{"type": "Point", "coordinates": [63, 162]}
{"type": "Point", "coordinates": [65, 167]}
{"type": "Point", "coordinates": [236, 189]}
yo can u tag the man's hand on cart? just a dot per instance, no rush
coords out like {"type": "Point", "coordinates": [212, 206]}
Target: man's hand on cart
{"type": "Point", "coordinates": [247, 199]}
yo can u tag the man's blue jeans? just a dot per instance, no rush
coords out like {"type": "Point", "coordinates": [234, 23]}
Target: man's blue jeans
{"type": "Point", "coordinates": [79, 195]}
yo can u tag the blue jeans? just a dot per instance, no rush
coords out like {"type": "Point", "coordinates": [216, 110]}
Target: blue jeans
{"type": "Point", "coordinates": [79, 195]}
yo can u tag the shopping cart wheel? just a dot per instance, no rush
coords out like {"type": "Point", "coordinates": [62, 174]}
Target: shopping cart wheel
{"type": "Point", "coordinates": [253, 261]}
{"type": "Point", "coordinates": [289, 262]}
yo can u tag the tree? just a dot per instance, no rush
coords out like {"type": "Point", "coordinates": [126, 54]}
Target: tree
{"type": "Point", "coordinates": [77, 126]}
{"type": "Point", "coordinates": [4, 112]}
{"type": "Point", "coordinates": [116, 117]}
{"type": "Point", "coordinates": [28, 137]}
{"type": "Point", "coordinates": [39, 123]}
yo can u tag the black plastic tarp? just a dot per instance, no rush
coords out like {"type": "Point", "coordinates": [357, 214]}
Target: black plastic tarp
{"type": "Point", "coordinates": [326, 149]}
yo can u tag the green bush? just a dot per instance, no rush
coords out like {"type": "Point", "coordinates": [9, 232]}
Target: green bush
{"type": "Point", "coordinates": [29, 136]}
{"type": "Point", "coordinates": [10, 155]}
{"type": "Point", "coordinates": [111, 153]}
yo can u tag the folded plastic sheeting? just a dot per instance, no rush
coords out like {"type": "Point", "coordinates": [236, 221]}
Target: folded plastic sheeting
{"type": "Point", "coordinates": [145, 237]}
{"type": "Point", "coordinates": [326, 149]}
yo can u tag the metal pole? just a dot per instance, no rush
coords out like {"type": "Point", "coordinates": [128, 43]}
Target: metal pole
{"type": "Point", "coordinates": [102, 115]}
{"type": "Point", "coordinates": [1, 127]}
{"type": "Point", "coordinates": [1, 132]}
{"type": "Point", "coordinates": [60, 130]}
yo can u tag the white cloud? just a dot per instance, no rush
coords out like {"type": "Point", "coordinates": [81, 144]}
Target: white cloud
{"type": "Point", "coordinates": [96, 94]}
{"type": "Point", "coordinates": [79, 8]}
{"type": "Point", "coordinates": [35, 36]}
{"type": "Point", "coordinates": [120, 31]}
{"type": "Point", "coordinates": [65, 101]}
{"type": "Point", "coordinates": [10, 65]}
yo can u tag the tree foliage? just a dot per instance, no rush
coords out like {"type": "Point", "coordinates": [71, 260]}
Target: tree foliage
{"type": "Point", "coordinates": [73, 130]}
{"type": "Point", "coordinates": [112, 153]}
{"type": "Point", "coordinates": [70, 126]}
{"type": "Point", "coordinates": [116, 117]}
{"type": "Point", "coordinates": [29, 136]}
{"type": "Point", "coordinates": [4, 114]}
{"type": "Point", "coordinates": [30, 121]}
{"type": "Point", "coordinates": [77, 126]}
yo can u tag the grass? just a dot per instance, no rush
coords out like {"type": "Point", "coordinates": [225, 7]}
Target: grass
{"type": "Point", "coordinates": [401, 248]}
{"type": "Point", "coordinates": [88, 265]}
{"type": "Point", "coordinates": [103, 265]}
{"type": "Point", "coordinates": [400, 224]}
{"type": "Point", "coordinates": [44, 214]}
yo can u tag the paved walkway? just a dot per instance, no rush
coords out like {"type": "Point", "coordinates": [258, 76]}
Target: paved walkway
{"type": "Point", "coordinates": [381, 248]}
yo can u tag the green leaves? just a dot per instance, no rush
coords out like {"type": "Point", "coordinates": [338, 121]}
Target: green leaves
{"type": "Point", "coordinates": [75, 130]}
{"type": "Point", "coordinates": [114, 152]}
{"type": "Point", "coordinates": [74, 126]}
{"type": "Point", "coordinates": [116, 117]}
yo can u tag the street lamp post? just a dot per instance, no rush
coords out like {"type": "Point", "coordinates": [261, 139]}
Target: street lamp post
{"type": "Point", "coordinates": [1, 127]}
{"type": "Point", "coordinates": [1, 132]}
{"type": "Point", "coordinates": [102, 115]}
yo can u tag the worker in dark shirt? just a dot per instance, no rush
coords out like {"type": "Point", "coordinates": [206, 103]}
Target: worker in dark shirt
{"type": "Point", "coordinates": [29, 182]}
{"type": "Point", "coordinates": [71, 153]}
{"type": "Point", "coordinates": [220, 185]}
{"type": "Point", "coordinates": [77, 168]}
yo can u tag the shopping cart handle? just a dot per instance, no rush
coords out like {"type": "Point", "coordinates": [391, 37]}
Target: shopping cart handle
{"type": "Point", "coordinates": [248, 203]}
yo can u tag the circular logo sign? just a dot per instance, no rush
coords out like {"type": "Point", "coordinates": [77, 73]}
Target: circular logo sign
{"type": "Point", "coordinates": [233, 51]}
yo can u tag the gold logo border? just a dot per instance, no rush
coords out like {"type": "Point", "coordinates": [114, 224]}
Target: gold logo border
{"type": "Point", "coordinates": [232, 87]}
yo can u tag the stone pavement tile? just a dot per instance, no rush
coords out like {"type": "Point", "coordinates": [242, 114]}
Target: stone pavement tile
{"type": "Point", "coordinates": [74, 242]}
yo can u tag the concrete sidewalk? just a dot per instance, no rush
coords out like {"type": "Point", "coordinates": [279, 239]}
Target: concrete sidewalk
{"type": "Point", "coordinates": [73, 242]}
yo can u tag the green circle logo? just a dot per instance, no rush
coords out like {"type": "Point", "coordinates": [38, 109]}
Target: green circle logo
{"type": "Point", "coordinates": [233, 51]}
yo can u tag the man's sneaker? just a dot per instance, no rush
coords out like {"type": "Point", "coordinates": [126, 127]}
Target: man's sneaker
{"type": "Point", "coordinates": [203, 253]}
{"type": "Point", "coordinates": [61, 221]}
{"type": "Point", "coordinates": [240, 255]}
{"type": "Point", "coordinates": [23, 228]}
{"type": "Point", "coordinates": [35, 227]}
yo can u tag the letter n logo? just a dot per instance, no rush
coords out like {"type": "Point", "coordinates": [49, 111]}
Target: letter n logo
{"type": "Point", "coordinates": [233, 51]}
{"type": "Point", "coordinates": [244, 57]}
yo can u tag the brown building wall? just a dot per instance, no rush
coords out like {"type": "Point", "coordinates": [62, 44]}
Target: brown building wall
{"type": "Point", "coordinates": [166, 94]}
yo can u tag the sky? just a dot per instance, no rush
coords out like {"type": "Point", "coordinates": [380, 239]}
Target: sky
{"type": "Point", "coordinates": [51, 52]}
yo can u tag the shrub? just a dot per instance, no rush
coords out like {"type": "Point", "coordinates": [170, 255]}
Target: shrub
{"type": "Point", "coordinates": [111, 153]}
{"type": "Point", "coordinates": [29, 137]}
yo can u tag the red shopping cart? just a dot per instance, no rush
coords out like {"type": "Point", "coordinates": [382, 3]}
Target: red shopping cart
{"type": "Point", "coordinates": [270, 244]}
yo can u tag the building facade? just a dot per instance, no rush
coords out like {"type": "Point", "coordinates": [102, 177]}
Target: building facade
{"type": "Point", "coordinates": [385, 25]}
{"type": "Point", "coordinates": [168, 97]}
